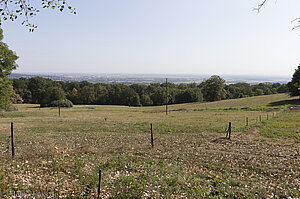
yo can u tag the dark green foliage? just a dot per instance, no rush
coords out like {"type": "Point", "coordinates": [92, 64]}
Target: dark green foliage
{"type": "Point", "coordinates": [283, 88]}
{"type": "Point", "coordinates": [87, 95]}
{"type": "Point", "coordinates": [146, 100]}
{"type": "Point", "coordinates": [134, 100]}
{"type": "Point", "coordinates": [4, 93]}
{"type": "Point", "coordinates": [44, 91]}
{"type": "Point", "coordinates": [213, 89]}
{"type": "Point", "coordinates": [158, 96]}
{"type": "Point", "coordinates": [189, 95]}
{"type": "Point", "coordinates": [294, 85]}
{"type": "Point", "coordinates": [37, 87]}
{"type": "Point", "coordinates": [238, 90]}
{"type": "Point", "coordinates": [51, 95]}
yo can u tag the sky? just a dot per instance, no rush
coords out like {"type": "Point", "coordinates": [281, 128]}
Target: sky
{"type": "Point", "coordinates": [161, 37]}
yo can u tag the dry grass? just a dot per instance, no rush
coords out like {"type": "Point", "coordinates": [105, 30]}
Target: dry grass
{"type": "Point", "coordinates": [61, 155]}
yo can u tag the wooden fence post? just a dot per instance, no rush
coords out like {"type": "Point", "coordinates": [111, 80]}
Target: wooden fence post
{"type": "Point", "coordinates": [229, 131]}
{"type": "Point", "coordinates": [152, 144]}
{"type": "Point", "coordinates": [247, 121]}
{"type": "Point", "coordinates": [99, 183]}
{"type": "Point", "coordinates": [167, 96]}
{"type": "Point", "coordinates": [260, 118]}
{"type": "Point", "coordinates": [12, 139]}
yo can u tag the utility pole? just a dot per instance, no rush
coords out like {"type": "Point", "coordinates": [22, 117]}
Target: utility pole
{"type": "Point", "coordinates": [167, 96]}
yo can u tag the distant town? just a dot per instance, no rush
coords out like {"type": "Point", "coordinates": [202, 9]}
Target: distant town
{"type": "Point", "coordinates": [149, 78]}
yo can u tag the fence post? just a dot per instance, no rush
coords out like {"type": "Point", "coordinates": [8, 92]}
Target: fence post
{"type": "Point", "coordinates": [247, 121]}
{"type": "Point", "coordinates": [59, 110]}
{"type": "Point", "coordinates": [152, 144]}
{"type": "Point", "coordinates": [229, 130]}
{"type": "Point", "coordinates": [12, 139]}
{"type": "Point", "coordinates": [167, 96]}
{"type": "Point", "coordinates": [99, 183]}
{"type": "Point", "coordinates": [260, 118]}
{"type": "Point", "coordinates": [267, 116]}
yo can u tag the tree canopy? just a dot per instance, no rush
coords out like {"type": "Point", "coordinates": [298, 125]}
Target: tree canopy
{"type": "Point", "coordinates": [294, 85]}
{"type": "Point", "coordinates": [213, 89]}
{"type": "Point", "coordinates": [7, 64]}
{"type": "Point", "coordinates": [43, 91]}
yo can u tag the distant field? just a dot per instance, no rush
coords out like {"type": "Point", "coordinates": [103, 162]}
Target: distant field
{"type": "Point", "coordinates": [190, 159]}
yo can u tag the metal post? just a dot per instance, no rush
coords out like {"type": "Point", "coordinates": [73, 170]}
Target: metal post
{"type": "Point", "coordinates": [12, 139]}
{"type": "Point", "coordinates": [152, 144]}
{"type": "Point", "coordinates": [167, 96]}
{"type": "Point", "coordinates": [99, 183]}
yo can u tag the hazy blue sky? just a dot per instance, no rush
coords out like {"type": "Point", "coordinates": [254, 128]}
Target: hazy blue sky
{"type": "Point", "coordinates": [161, 36]}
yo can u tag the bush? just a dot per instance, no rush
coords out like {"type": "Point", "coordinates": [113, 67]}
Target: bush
{"type": "Point", "coordinates": [61, 103]}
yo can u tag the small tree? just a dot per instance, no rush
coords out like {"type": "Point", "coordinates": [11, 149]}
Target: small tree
{"type": "Point", "coordinates": [213, 89]}
{"type": "Point", "coordinates": [294, 85]}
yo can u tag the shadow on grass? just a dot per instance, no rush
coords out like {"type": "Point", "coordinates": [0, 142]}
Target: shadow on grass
{"type": "Point", "coordinates": [285, 102]}
{"type": "Point", "coordinates": [35, 107]}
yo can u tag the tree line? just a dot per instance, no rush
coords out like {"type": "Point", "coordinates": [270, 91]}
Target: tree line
{"type": "Point", "coordinates": [46, 92]}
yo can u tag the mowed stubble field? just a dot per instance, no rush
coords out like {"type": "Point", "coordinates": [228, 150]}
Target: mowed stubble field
{"type": "Point", "coordinates": [59, 157]}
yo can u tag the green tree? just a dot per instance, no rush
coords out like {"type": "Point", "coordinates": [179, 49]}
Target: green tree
{"type": "Point", "coordinates": [37, 86]}
{"type": "Point", "coordinates": [283, 88]}
{"type": "Point", "coordinates": [294, 84]}
{"type": "Point", "coordinates": [146, 100]}
{"type": "Point", "coordinates": [7, 64]}
{"type": "Point", "coordinates": [52, 94]}
{"type": "Point", "coordinates": [213, 89]}
{"type": "Point", "coordinates": [101, 94]}
{"type": "Point", "coordinates": [189, 95]}
{"type": "Point", "coordinates": [87, 95]}
{"type": "Point", "coordinates": [158, 96]}
{"type": "Point", "coordinates": [134, 100]}
{"type": "Point", "coordinates": [259, 91]}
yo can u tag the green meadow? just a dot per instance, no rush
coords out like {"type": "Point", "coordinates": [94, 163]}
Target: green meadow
{"type": "Point", "coordinates": [191, 157]}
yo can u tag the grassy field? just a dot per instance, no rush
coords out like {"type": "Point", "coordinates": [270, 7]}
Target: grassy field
{"type": "Point", "coordinates": [61, 156]}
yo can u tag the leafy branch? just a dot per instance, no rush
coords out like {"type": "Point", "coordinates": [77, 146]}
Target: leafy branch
{"type": "Point", "coordinates": [14, 9]}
